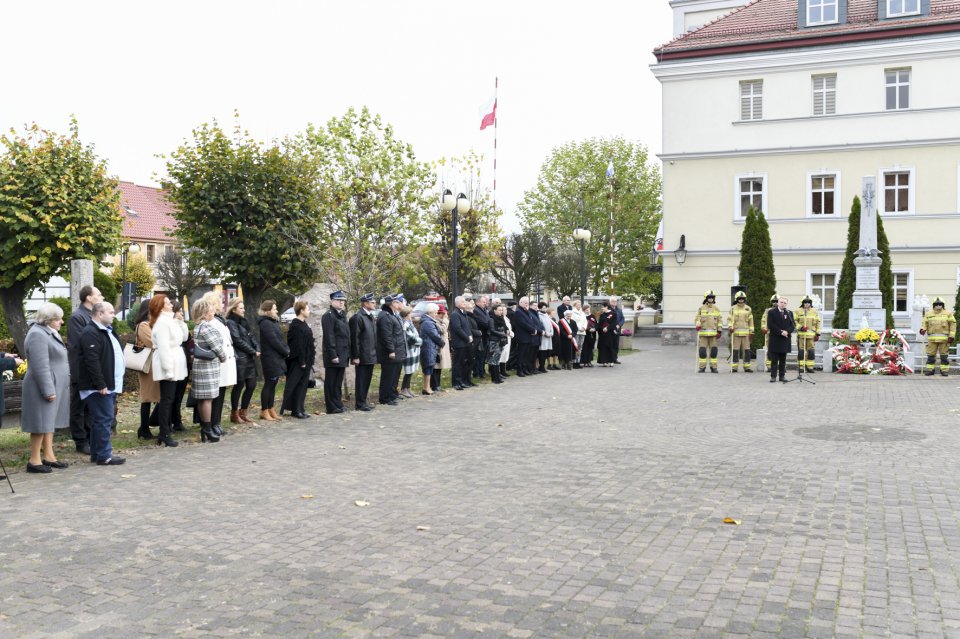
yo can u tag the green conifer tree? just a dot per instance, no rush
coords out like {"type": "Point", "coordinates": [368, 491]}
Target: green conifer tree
{"type": "Point", "coordinates": [756, 268]}
{"type": "Point", "coordinates": [848, 272]}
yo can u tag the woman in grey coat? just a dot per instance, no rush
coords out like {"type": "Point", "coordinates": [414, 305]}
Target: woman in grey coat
{"type": "Point", "coordinates": [46, 386]}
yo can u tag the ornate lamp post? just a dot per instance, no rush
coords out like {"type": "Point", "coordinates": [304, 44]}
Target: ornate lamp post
{"type": "Point", "coordinates": [582, 236]}
{"type": "Point", "coordinates": [454, 205]}
{"type": "Point", "coordinates": [134, 248]}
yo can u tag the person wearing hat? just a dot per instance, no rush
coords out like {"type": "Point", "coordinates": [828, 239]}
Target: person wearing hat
{"type": "Point", "coordinates": [763, 329]}
{"type": "Point", "coordinates": [808, 334]}
{"type": "Point", "coordinates": [335, 343]}
{"type": "Point", "coordinates": [363, 349]}
{"type": "Point", "coordinates": [740, 323]}
{"type": "Point", "coordinates": [940, 327]}
{"type": "Point", "coordinates": [391, 348]}
{"type": "Point", "coordinates": [709, 323]}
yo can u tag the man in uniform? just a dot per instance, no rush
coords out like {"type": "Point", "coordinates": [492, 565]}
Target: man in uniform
{"type": "Point", "coordinates": [709, 323]}
{"type": "Point", "coordinates": [336, 351]}
{"type": "Point", "coordinates": [391, 349]}
{"type": "Point", "coordinates": [740, 324]}
{"type": "Point", "coordinates": [940, 327]}
{"type": "Point", "coordinates": [763, 329]}
{"type": "Point", "coordinates": [808, 333]}
{"type": "Point", "coordinates": [363, 348]}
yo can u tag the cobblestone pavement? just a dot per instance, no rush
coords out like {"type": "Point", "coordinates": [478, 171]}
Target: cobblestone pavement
{"type": "Point", "coordinates": [575, 504]}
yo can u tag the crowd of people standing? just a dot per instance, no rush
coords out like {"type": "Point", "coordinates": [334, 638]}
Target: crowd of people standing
{"type": "Point", "coordinates": [77, 384]}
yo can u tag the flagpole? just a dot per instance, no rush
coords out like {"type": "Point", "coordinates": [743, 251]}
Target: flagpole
{"type": "Point", "coordinates": [496, 84]}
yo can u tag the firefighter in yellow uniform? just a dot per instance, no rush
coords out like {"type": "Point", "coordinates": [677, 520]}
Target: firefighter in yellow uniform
{"type": "Point", "coordinates": [808, 333]}
{"type": "Point", "coordinates": [763, 329]}
{"type": "Point", "coordinates": [940, 327]}
{"type": "Point", "coordinates": [709, 323]}
{"type": "Point", "coordinates": [740, 325]}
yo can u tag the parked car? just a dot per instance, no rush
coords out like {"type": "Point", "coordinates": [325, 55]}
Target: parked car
{"type": "Point", "coordinates": [287, 316]}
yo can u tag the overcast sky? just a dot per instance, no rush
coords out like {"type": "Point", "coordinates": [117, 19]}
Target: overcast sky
{"type": "Point", "coordinates": [140, 75]}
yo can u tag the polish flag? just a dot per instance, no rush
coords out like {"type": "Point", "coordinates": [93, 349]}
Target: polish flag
{"type": "Point", "coordinates": [658, 243]}
{"type": "Point", "coordinates": [488, 113]}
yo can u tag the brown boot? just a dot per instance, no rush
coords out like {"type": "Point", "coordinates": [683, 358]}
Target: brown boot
{"type": "Point", "coordinates": [243, 417]}
{"type": "Point", "coordinates": [266, 416]}
{"type": "Point", "coordinates": [273, 413]}
{"type": "Point", "coordinates": [235, 417]}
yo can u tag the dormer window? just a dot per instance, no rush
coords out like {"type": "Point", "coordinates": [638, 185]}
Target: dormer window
{"type": "Point", "coordinates": [822, 12]}
{"type": "Point", "coordinates": [897, 8]}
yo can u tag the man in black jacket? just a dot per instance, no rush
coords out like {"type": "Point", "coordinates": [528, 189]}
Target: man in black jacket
{"type": "Point", "coordinates": [100, 380]}
{"type": "Point", "coordinates": [781, 326]}
{"type": "Point", "coordinates": [391, 349]}
{"type": "Point", "coordinates": [80, 420]}
{"type": "Point", "coordinates": [363, 348]}
{"type": "Point", "coordinates": [461, 341]}
{"type": "Point", "coordinates": [336, 351]}
{"type": "Point", "coordinates": [484, 323]}
{"type": "Point", "coordinates": [525, 334]}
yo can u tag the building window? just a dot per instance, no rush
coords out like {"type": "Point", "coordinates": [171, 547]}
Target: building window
{"type": "Point", "coordinates": [901, 292]}
{"type": "Point", "coordinates": [902, 8]}
{"type": "Point", "coordinates": [751, 190]}
{"type": "Point", "coordinates": [825, 94]}
{"type": "Point", "coordinates": [896, 192]}
{"type": "Point", "coordinates": [821, 12]}
{"type": "Point", "coordinates": [898, 89]}
{"type": "Point", "coordinates": [168, 250]}
{"type": "Point", "coordinates": [751, 100]}
{"type": "Point", "coordinates": [823, 189]}
{"type": "Point", "coordinates": [825, 285]}
{"type": "Point", "coordinates": [151, 253]}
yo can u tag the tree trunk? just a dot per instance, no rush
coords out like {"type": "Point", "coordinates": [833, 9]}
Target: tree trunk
{"type": "Point", "coordinates": [12, 299]}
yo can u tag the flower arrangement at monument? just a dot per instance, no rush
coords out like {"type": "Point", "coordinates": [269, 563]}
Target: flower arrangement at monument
{"type": "Point", "coordinates": [886, 359]}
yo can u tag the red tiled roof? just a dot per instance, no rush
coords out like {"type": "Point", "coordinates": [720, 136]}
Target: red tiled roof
{"type": "Point", "coordinates": [147, 213]}
{"type": "Point", "coordinates": [772, 24]}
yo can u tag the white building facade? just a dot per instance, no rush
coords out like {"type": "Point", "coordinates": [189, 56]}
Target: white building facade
{"type": "Point", "coordinates": [785, 105]}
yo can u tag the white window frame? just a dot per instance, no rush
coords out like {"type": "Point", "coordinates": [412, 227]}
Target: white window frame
{"type": "Point", "coordinates": [903, 4]}
{"type": "Point", "coordinates": [911, 193]}
{"type": "Point", "coordinates": [736, 194]}
{"type": "Point", "coordinates": [898, 84]}
{"type": "Point", "coordinates": [146, 253]}
{"type": "Point", "coordinates": [837, 194]}
{"type": "Point", "coordinates": [910, 291]}
{"type": "Point", "coordinates": [823, 93]}
{"type": "Point", "coordinates": [822, 4]}
{"type": "Point", "coordinates": [754, 97]}
{"type": "Point", "coordinates": [827, 315]}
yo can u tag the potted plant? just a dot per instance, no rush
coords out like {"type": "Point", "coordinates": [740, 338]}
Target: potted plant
{"type": "Point", "coordinates": [626, 339]}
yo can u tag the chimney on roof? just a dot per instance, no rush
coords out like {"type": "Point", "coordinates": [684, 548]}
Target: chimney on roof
{"type": "Point", "coordinates": [689, 15]}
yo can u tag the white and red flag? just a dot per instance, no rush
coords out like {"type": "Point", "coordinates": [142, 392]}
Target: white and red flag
{"type": "Point", "coordinates": [488, 113]}
{"type": "Point", "coordinates": [658, 243]}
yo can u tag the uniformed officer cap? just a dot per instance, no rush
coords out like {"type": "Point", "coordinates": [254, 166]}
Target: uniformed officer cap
{"type": "Point", "coordinates": [369, 297]}
{"type": "Point", "coordinates": [338, 295]}
{"type": "Point", "coordinates": [939, 301]}
{"type": "Point", "coordinates": [388, 299]}
{"type": "Point", "coordinates": [740, 296]}
{"type": "Point", "coordinates": [774, 298]}
{"type": "Point", "coordinates": [807, 300]}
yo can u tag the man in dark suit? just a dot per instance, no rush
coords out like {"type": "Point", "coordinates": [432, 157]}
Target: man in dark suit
{"type": "Point", "coordinates": [461, 341]}
{"type": "Point", "coordinates": [336, 351]}
{"type": "Point", "coordinates": [484, 323]}
{"type": "Point", "coordinates": [781, 326]}
{"type": "Point", "coordinates": [391, 349]}
{"type": "Point", "coordinates": [527, 328]}
{"type": "Point", "coordinates": [363, 348]}
{"type": "Point", "coordinates": [80, 420]}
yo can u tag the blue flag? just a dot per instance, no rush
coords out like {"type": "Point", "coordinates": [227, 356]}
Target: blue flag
{"type": "Point", "coordinates": [610, 169]}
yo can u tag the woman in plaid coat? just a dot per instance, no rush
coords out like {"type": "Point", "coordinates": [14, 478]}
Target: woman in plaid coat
{"type": "Point", "coordinates": [411, 363]}
{"type": "Point", "coordinates": [206, 373]}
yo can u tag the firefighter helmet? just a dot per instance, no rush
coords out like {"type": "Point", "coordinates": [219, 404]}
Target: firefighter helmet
{"type": "Point", "coordinates": [774, 298]}
{"type": "Point", "coordinates": [707, 295]}
{"type": "Point", "coordinates": [740, 296]}
{"type": "Point", "coordinates": [939, 302]}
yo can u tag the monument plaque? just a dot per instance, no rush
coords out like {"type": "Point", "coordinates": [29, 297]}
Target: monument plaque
{"type": "Point", "coordinates": [868, 278]}
{"type": "Point", "coordinates": [867, 300]}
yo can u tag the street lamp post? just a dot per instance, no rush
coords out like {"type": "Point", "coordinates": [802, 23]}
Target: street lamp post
{"type": "Point", "coordinates": [582, 236]}
{"type": "Point", "coordinates": [454, 205]}
{"type": "Point", "coordinates": [131, 247]}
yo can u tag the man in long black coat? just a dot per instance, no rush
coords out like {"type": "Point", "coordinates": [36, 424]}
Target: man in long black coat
{"type": "Point", "coordinates": [363, 348]}
{"type": "Point", "coordinates": [391, 349]}
{"type": "Point", "coordinates": [461, 341]}
{"type": "Point", "coordinates": [336, 351]}
{"type": "Point", "coordinates": [526, 335]}
{"type": "Point", "coordinates": [781, 326]}
{"type": "Point", "coordinates": [484, 324]}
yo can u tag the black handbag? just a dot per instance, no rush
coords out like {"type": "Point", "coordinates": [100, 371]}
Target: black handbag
{"type": "Point", "coordinates": [205, 354]}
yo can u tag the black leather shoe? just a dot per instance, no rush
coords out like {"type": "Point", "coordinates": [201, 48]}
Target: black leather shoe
{"type": "Point", "coordinates": [392, 402]}
{"type": "Point", "coordinates": [335, 412]}
{"type": "Point", "coordinates": [39, 468]}
{"type": "Point", "coordinates": [83, 448]}
{"type": "Point", "coordinates": [301, 415]}
{"type": "Point", "coordinates": [178, 428]}
{"type": "Point", "coordinates": [113, 461]}
{"type": "Point", "coordinates": [773, 379]}
{"type": "Point", "coordinates": [169, 442]}
{"type": "Point", "coordinates": [364, 407]}
{"type": "Point", "coordinates": [144, 433]}
{"type": "Point", "coordinates": [458, 387]}
{"type": "Point", "coordinates": [55, 464]}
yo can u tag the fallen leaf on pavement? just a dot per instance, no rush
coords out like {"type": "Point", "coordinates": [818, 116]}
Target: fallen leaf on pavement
{"type": "Point", "coordinates": [343, 447]}
{"type": "Point", "coordinates": [127, 476]}
{"type": "Point", "coordinates": [730, 520]}
{"type": "Point", "coordinates": [423, 527]}
{"type": "Point", "coordinates": [361, 503]}
{"type": "Point", "coordinates": [306, 496]}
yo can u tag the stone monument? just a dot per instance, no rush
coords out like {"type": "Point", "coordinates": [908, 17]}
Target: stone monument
{"type": "Point", "coordinates": [867, 308]}
{"type": "Point", "coordinates": [81, 274]}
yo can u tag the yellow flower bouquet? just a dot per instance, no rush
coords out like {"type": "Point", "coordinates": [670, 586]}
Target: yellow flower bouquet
{"type": "Point", "coordinates": [867, 335]}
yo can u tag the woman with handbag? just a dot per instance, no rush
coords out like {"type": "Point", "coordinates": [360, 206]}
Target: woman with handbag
{"type": "Point", "coordinates": [169, 362]}
{"type": "Point", "coordinates": [209, 354]}
{"type": "Point", "coordinates": [149, 388]}
{"type": "Point", "coordinates": [411, 363]}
